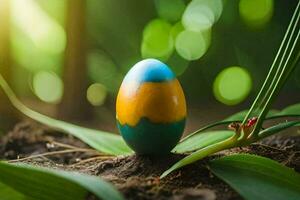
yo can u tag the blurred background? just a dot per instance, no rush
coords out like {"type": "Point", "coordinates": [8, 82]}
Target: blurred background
{"type": "Point", "coordinates": [67, 58]}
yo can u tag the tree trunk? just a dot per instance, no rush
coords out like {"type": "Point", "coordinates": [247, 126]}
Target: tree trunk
{"type": "Point", "coordinates": [74, 105]}
{"type": "Point", "coordinates": [8, 114]}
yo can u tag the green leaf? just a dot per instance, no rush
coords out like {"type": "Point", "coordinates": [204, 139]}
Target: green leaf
{"type": "Point", "coordinates": [256, 177]}
{"type": "Point", "coordinates": [7, 193]}
{"type": "Point", "coordinates": [277, 128]}
{"type": "Point", "coordinates": [208, 143]}
{"type": "Point", "coordinates": [237, 117]}
{"type": "Point", "coordinates": [202, 153]}
{"type": "Point", "coordinates": [291, 110]}
{"type": "Point", "coordinates": [44, 184]}
{"type": "Point", "coordinates": [285, 61]}
{"type": "Point", "coordinates": [100, 140]}
{"type": "Point", "coordinates": [202, 140]}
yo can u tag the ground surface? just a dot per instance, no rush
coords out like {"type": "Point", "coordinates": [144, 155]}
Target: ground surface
{"type": "Point", "coordinates": [136, 176]}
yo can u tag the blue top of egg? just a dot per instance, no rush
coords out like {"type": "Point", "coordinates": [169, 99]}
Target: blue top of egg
{"type": "Point", "coordinates": [149, 70]}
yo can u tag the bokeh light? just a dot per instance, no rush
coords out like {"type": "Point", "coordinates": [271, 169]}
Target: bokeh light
{"type": "Point", "coordinates": [38, 41]}
{"type": "Point", "coordinates": [178, 64]}
{"type": "Point", "coordinates": [192, 45]}
{"type": "Point", "coordinates": [102, 69]}
{"type": "Point", "coordinates": [47, 86]}
{"type": "Point", "coordinates": [170, 10]}
{"type": "Point", "coordinates": [157, 40]}
{"type": "Point", "coordinates": [232, 85]}
{"type": "Point", "coordinates": [46, 34]}
{"type": "Point", "coordinates": [30, 57]}
{"type": "Point", "coordinates": [201, 14]}
{"type": "Point", "coordinates": [176, 29]}
{"type": "Point", "coordinates": [256, 13]}
{"type": "Point", "coordinates": [96, 94]}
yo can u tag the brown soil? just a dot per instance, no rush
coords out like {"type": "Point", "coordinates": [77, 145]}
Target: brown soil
{"type": "Point", "coordinates": [137, 176]}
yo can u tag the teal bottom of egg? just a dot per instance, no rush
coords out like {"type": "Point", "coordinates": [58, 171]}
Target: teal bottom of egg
{"type": "Point", "coordinates": [147, 138]}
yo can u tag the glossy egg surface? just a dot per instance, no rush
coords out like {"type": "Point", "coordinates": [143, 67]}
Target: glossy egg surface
{"type": "Point", "coordinates": [151, 108]}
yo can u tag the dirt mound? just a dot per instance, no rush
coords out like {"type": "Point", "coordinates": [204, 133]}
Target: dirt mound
{"type": "Point", "coordinates": [137, 177]}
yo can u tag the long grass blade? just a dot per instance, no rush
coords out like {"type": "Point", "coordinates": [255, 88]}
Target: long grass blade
{"type": "Point", "coordinates": [290, 111]}
{"type": "Point", "coordinates": [215, 143]}
{"type": "Point", "coordinates": [276, 67]}
{"type": "Point", "coordinates": [277, 128]}
{"type": "Point", "coordinates": [201, 153]}
{"type": "Point", "coordinates": [100, 140]}
{"type": "Point", "coordinates": [45, 184]}
{"type": "Point", "coordinates": [7, 193]}
{"type": "Point", "coordinates": [203, 140]}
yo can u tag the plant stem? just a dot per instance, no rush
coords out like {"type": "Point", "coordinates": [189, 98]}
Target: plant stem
{"type": "Point", "coordinates": [262, 93]}
{"type": "Point", "coordinates": [17, 104]}
{"type": "Point", "coordinates": [225, 122]}
{"type": "Point", "coordinates": [74, 105]}
{"type": "Point", "coordinates": [275, 129]}
{"type": "Point", "coordinates": [205, 128]}
{"type": "Point", "coordinates": [226, 144]}
{"type": "Point", "coordinates": [278, 85]}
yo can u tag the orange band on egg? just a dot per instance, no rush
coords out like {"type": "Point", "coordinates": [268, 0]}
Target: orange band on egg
{"type": "Point", "coordinates": [160, 102]}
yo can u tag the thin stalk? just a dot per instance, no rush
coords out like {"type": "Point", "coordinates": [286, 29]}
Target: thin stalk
{"type": "Point", "coordinates": [278, 85]}
{"type": "Point", "coordinates": [205, 128]}
{"type": "Point", "coordinates": [255, 106]}
{"type": "Point", "coordinates": [280, 69]}
{"type": "Point", "coordinates": [16, 103]}
{"type": "Point", "coordinates": [244, 133]}
{"type": "Point", "coordinates": [53, 153]}
{"type": "Point", "coordinates": [201, 130]}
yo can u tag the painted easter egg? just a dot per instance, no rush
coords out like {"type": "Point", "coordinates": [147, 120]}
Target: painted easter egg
{"type": "Point", "coordinates": [151, 108]}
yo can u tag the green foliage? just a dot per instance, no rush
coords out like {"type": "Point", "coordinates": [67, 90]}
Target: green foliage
{"type": "Point", "coordinates": [203, 140]}
{"type": "Point", "coordinates": [256, 177]}
{"type": "Point", "coordinates": [190, 34]}
{"type": "Point", "coordinates": [45, 53]}
{"type": "Point", "coordinates": [232, 85]}
{"type": "Point", "coordinates": [7, 193]}
{"type": "Point", "coordinates": [170, 10]}
{"type": "Point", "coordinates": [227, 142]}
{"type": "Point", "coordinates": [277, 128]}
{"type": "Point", "coordinates": [102, 141]}
{"type": "Point", "coordinates": [44, 184]}
{"type": "Point", "coordinates": [201, 14]}
{"type": "Point", "coordinates": [210, 142]}
{"type": "Point", "coordinates": [45, 81]}
{"type": "Point", "coordinates": [177, 64]}
{"type": "Point", "coordinates": [103, 69]}
{"type": "Point", "coordinates": [284, 63]}
{"type": "Point", "coordinates": [256, 13]}
{"type": "Point", "coordinates": [248, 132]}
{"type": "Point", "coordinates": [176, 29]}
{"type": "Point", "coordinates": [292, 110]}
{"type": "Point", "coordinates": [157, 40]}
{"type": "Point", "coordinates": [192, 45]}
